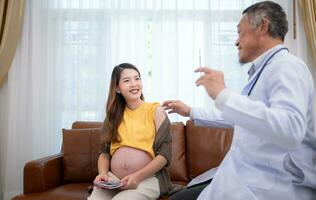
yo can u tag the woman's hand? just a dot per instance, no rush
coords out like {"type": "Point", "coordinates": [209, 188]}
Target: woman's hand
{"type": "Point", "coordinates": [101, 177]}
{"type": "Point", "coordinates": [131, 181]}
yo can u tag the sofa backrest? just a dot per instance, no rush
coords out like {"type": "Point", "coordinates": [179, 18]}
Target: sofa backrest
{"type": "Point", "coordinates": [194, 150]}
{"type": "Point", "coordinates": [206, 147]}
{"type": "Point", "coordinates": [86, 124]}
{"type": "Point", "coordinates": [177, 170]}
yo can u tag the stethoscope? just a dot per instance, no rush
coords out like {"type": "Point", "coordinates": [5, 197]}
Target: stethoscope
{"type": "Point", "coordinates": [262, 68]}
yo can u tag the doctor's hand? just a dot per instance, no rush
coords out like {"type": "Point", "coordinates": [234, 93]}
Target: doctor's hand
{"type": "Point", "coordinates": [212, 80]}
{"type": "Point", "coordinates": [177, 106]}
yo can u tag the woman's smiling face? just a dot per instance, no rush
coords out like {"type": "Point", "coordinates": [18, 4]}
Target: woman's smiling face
{"type": "Point", "coordinates": [130, 85]}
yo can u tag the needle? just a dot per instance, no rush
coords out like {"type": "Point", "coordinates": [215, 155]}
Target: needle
{"type": "Point", "coordinates": [200, 60]}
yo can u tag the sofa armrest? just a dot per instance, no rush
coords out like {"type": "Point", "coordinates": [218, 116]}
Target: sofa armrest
{"type": "Point", "coordinates": [42, 174]}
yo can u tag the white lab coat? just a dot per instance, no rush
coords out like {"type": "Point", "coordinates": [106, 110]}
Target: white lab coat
{"type": "Point", "coordinates": [273, 153]}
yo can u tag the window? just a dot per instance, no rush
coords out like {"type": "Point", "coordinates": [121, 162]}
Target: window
{"type": "Point", "coordinates": [162, 38]}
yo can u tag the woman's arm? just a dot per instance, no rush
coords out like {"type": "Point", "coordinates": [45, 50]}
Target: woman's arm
{"type": "Point", "coordinates": [103, 167]}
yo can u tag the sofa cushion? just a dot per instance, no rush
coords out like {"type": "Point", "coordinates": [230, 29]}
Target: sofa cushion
{"type": "Point", "coordinates": [206, 147]}
{"type": "Point", "coordinates": [73, 191]}
{"type": "Point", "coordinates": [81, 150]}
{"type": "Point", "coordinates": [178, 168]}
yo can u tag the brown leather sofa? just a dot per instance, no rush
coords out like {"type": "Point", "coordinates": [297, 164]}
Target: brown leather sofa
{"type": "Point", "coordinates": [67, 175]}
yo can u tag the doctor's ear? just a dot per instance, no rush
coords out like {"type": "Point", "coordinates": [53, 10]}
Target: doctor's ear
{"type": "Point", "coordinates": [264, 27]}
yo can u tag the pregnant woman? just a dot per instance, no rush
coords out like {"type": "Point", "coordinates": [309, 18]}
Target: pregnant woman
{"type": "Point", "coordinates": [135, 141]}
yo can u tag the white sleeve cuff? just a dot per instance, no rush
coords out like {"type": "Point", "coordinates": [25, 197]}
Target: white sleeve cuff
{"type": "Point", "coordinates": [196, 112]}
{"type": "Point", "coordinates": [191, 115]}
{"type": "Point", "coordinates": [222, 98]}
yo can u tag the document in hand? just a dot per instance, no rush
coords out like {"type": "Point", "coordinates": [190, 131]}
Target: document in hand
{"type": "Point", "coordinates": [203, 177]}
{"type": "Point", "coordinates": [108, 184]}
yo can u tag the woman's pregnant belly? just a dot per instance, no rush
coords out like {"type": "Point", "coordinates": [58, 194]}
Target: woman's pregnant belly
{"type": "Point", "coordinates": [127, 160]}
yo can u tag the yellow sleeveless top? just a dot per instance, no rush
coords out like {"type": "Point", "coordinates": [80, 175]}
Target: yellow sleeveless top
{"type": "Point", "coordinates": [137, 129]}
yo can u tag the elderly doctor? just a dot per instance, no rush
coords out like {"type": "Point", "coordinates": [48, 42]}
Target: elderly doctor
{"type": "Point", "coordinates": [274, 147]}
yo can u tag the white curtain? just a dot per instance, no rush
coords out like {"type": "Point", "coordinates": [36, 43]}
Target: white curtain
{"type": "Point", "coordinates": [61, 71]}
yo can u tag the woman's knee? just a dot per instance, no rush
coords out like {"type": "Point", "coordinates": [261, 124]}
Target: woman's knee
{"type": "Point", "coordinates": [101, 194]}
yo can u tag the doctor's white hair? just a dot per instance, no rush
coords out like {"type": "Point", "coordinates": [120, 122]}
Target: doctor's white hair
{"type": "Point", "coordinates": [273, 13]}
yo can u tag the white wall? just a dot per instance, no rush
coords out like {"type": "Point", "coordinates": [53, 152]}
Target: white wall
{"type": "Point", "coordinates": [298, 46]}
{"type": "Point", "coordinates": [3, 128]}
{"type": "Point", "coordinates": [304, 53]}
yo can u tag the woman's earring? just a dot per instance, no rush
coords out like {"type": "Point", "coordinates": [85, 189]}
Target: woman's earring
{"type": "Point", "coordinates": [118, 92]}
